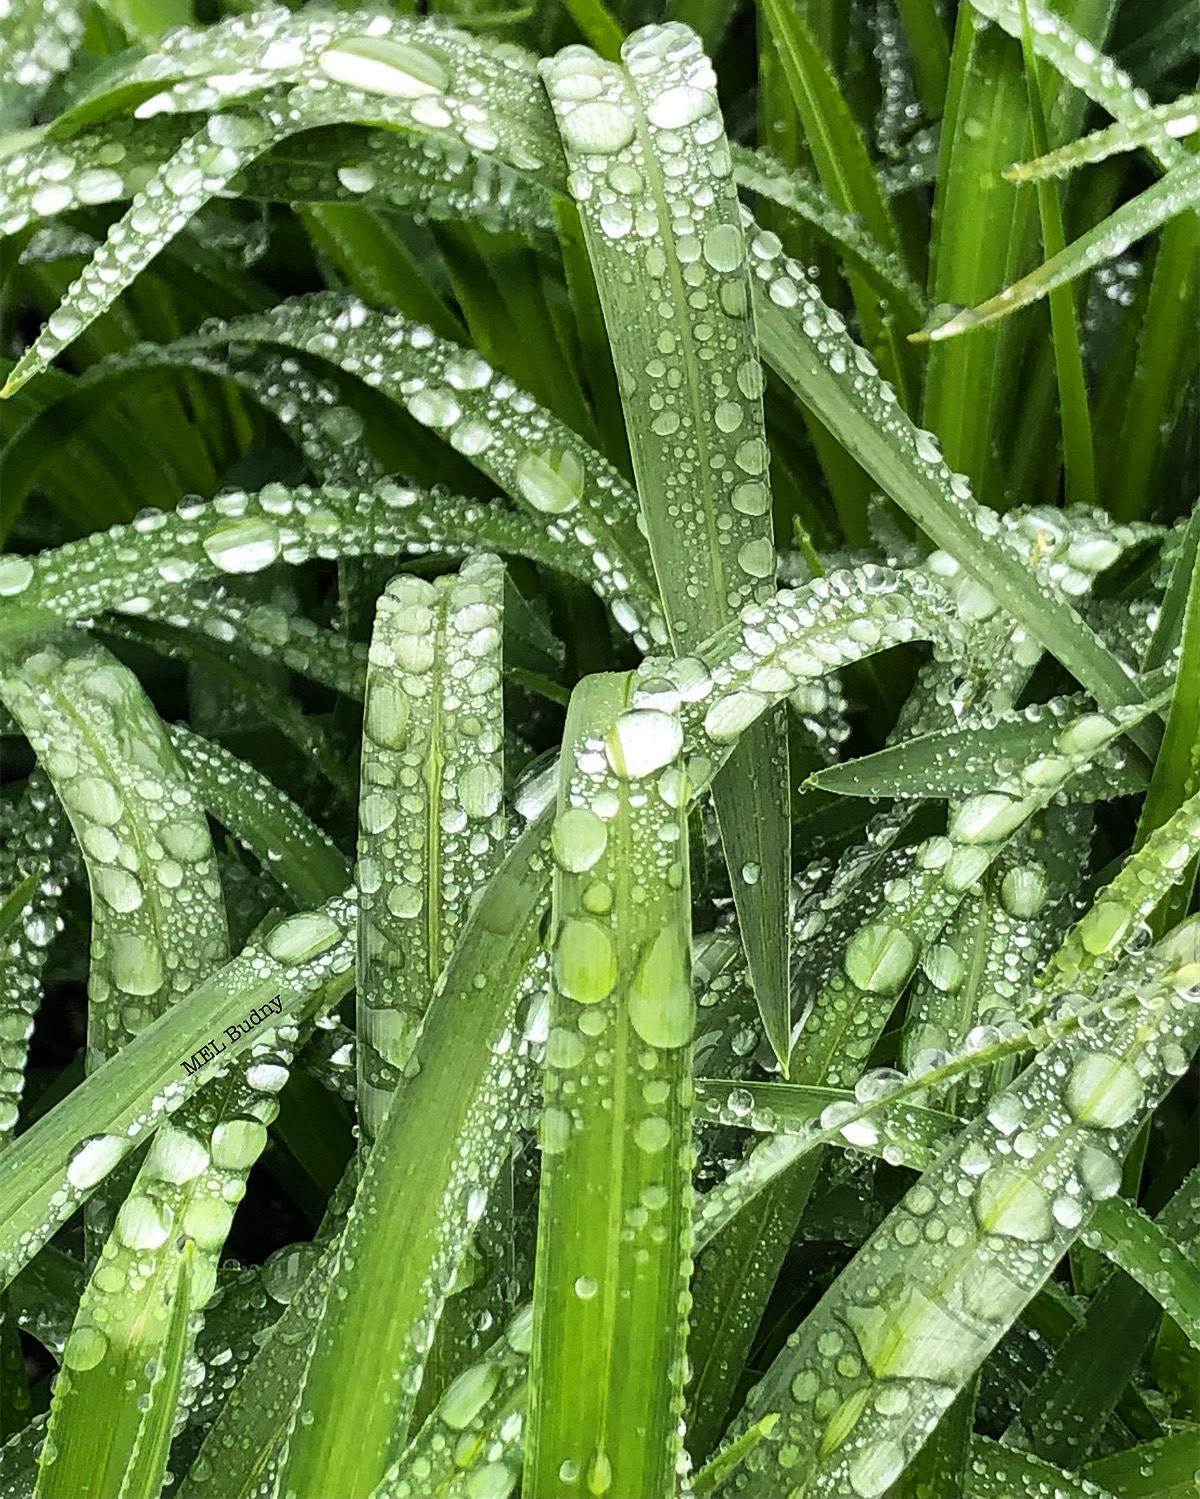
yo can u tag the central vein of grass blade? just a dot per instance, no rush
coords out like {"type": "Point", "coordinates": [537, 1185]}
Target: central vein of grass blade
{"type": "Point", "coordinates": [614, 1226]}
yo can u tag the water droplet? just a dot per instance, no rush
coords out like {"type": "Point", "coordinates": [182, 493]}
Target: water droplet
{"type": "Point", "coordinates": [585, 961]}
{"type": "Point", "coordinates": [94, 1159]}
{"type": "Point", "coordinates": [579, 838]}
{"type": "Point", "coordinates": [380, 65]}
{"type": "Point", "coordinates": [1104, 926]}
{"type": "Point", "coordinates": [243, 546]}
{"type": "Point", "coordinates": [142, 1223]}
{"type": "Point", "coordinates": [1009, 1203]}
{"type": "Point", "coordinates": [730, 715]}
{"type": "Point", "coordinates": [597, 127]}
{"type": "Point", "coordinates": [875, 1467]}
{"type": "Point", "coordinates": [176, 1156]}
{"type": "Point", "coordinates": [136, 964]}
{"type": "Point", "coordinates": [1103, 1091]}
{"type": "Point", "coordinates": [880, 958]}
{"type": "Point", "coordinates": [552, 483]}
{"type": "Point", "coordinates": [237, 1144]}
{"type": "Point", "coordinates": [467, 1396]}
{"type": "Point", "coordinates": [662, 1008]}
{"type": "Point", "coordinates": [16, 574]}
{"type": "Point", "coordinates": [480, 788]}
{"type": "Point", "coordinates": [585, 1287]}
{"type": "Point", "coordinates": [84, 1349]}
{"type": "Point", "coordinates": [642, 741]}
{"type": "Point", "coordinates": [675, 108]}
{"type": "Point", "coordinates": [302, 937]}
{"type": "Point", "coordinates": [987, 818]}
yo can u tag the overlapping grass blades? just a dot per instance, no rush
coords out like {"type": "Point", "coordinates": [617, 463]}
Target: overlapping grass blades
{"type": "Point", "coordinates": [323, 265]}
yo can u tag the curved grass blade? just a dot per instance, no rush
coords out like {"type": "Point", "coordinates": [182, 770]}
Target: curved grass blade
{"type": "Point", "coordinates": [1164, 1469]}
{"type": "Point", "coordinates": [158, 923]}
{"type": "Point", "coordinates": [1081, 63]}
{"type": "Point", "coordinates": [585, 505]}
{"type": "Point", "coordinates": [701, 459]}
{"type": "Point", "coordinates": [430, 814]}
{"type": "Point", "coordinates": [246, 533]}
{"type": "Point", "coordinates": [1174, 194]}
{"type": "Point", "coordinates": [615, 1209]}
{"type": "Point", "coordinates": [837, 379]}
{"type": "Point", "coordinates": [955, 762]}
{"type": "Point", "coordinates": [1135, 1243]}
{"type": "Point", "coordinates": [305, 861]}
{"type": "Point", "coordinates": [757, 172]}
{"type": "Point", "coordinates": [59, 1161]}
{"type": "Point", "coordinates": [997, 1471]}
{"type": "Point", "coordinates": [996, 1240]}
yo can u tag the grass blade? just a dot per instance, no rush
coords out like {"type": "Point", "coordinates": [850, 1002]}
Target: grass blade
{"type": "Point", "coordinates": [430, 818]}
{"type": "Point", "coordinates": [700, 461]}
{"type": "Point", "coordinates": [617, 1119]}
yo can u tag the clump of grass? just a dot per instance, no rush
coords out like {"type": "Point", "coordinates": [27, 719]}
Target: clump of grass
{"type": "Point", "coordinates": [602, 777]}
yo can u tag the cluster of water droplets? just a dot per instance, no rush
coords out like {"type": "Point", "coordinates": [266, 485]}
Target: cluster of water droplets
{"type": "Point", "coordinates": [873, 1368]}
{"type": "Point", "coordinates": [656, 130]}
{"type": "Point", "coordinates": [35, 844]}
{"type": "Point", "coordinates": [158, 917]}
{"type": "Point", "coordinates": [430, 811]}
{"type": "Point", "coordinates": [587, 510]}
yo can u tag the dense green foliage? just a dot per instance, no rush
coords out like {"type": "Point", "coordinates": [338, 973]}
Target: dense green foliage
{"type": "Point", "coordinates": [600, 679]}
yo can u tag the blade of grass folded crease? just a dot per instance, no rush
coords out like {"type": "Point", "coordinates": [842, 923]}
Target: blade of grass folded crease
{"type": "Point", "coordinates": [1001, 1221]}
{"type": "Point", "coordinates": [615, 1208]}
{"type": "Point", "coordinates": [690, 357]}
{"type": "Point", "coordinates": [430, 808]}
{"type": "Point", "coordinates": [59, 1161]}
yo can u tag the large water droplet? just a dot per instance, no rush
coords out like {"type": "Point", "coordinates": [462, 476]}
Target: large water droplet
{"type": "Point", "coordinates": [94, 1159]}
{"type": "Point", "coordinates": [84, 1349]}
{"type": "Point", "coordinates": [579, 838]}
{"type": "Point", "coordinates": [1009, 1203]}
{"type": "Point", "coordinates": [662, 1009]}
{"type": "Point", "coordinates": [880, 958]}
{"type": "Point", "coordinates": [379, 65]}
{"type": "Point", "coordinates": [468, 1395]}
{"type": "Point", "coordinates": [642, 741]}
{"type": "Point", "coordinates": [243, 546]}
{"type": "Point", "coordinates": [552, 483]}
{"type": "Point", "coordinates": [595, 126]}
{"type": "Point", "coordinates": [302, 937]}
{"type": "Point", "coordinates": [1103, 1091]}
{"type": "Point", "coordinates": [585, 961]}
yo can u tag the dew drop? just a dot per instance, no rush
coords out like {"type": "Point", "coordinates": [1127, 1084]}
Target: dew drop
{"type": "Point", "coordinates": [84, 1349]}
{"type": "Point", "coordinates": [1103, 1091]}
{"type": "Point", "coordinates": [302, 937]}
{"type": "Point", "coordinates": [585, 961]}
{"type": "Point", "coordinates": [595, 126]}
{"type": "Point", "coordinates": [467, 1396]}
{"type": "Point", "coordinates": [1011, 1204]}
{"type": "Point", "coordinates": [243, 546]}
{"type": "Point", "coordinates": [380, 65]}
{"type": "Point", "coordinates": [880, 958]}
{"type": "Point", "coordinates": [662, 1008]}
{"type": "Point", "coordinates": [642, 741]}
{"type": "Point", "coordinates": [579, 839]}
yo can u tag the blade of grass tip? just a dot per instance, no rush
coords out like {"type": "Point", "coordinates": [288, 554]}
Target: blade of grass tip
{"type": "Point", "coordinates": [1078, 468]}
{"type": "Point", "coordinates": [1168, 632]}
{"type": "Point", "coordinates": [1170, 198]}
{"type": "Point", "coordinates": [838, 151]}
{"type": "Point", "coordinates": [430, 824]}
{"type": "Point", "coordinates": [616, 1125]}
{"type": "Point", "coordinates": [693, 409]}
{"type": "Point", "coordinates": [306, 962]}
{"type": "Point", "coordinates": [962, 1288]}
{"type": "Point", "coordinates": [1177, 769]}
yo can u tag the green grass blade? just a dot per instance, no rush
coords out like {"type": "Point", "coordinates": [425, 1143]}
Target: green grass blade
{"type": "Point", "coordinates": [430, 819]}
{"type": "Point", "coordinates": [617, 1119]}
{"type": "Point", "coordinates": [423, 1189]}
{"type": "Point", "coordinates": [1078, 463]}
{"type": "Point", "coordinates": [961, 1288]}
{"type": "Point", "coordinates": [1173, 121]}
{"type": "Point", "coordinates": [1177, 769]}
{"type": "Point", "coordinates": [1165, 1469]}
{"type": "Point", "coordinates": [1173, 195]}
{"type": "Point", "coordinates": [300, 855]}
{"type": "Point", "coordinates": [1136, 1244]}
{"type": "Point", "coordinates": [825, 368]}
{"type": "Point", "coordinates": [700, 459]}
{"type": "Point", "coordinates": [956, 762]}
{"type": "Point", "coordinates": [998, 1471]}
{"type": "Point", "coordinates": [61, 1159]}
